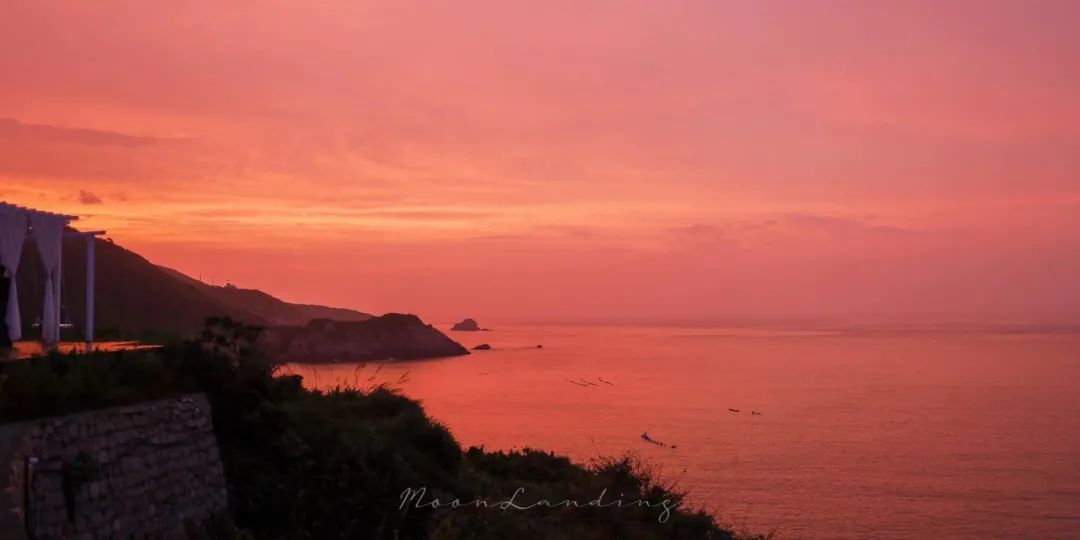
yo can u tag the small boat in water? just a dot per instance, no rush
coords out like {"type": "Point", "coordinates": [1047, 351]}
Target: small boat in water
{"type": "Point", "coordinates": [645, 436]}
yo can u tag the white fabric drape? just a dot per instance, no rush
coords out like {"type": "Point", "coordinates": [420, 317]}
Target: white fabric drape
{"type": "Point", "coordinates": [48, 235]}
{"type": "Point", "coordinates": [12, 235]}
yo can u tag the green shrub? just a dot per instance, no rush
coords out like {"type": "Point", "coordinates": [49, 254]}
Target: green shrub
{"type": "Point", "coordinates": [322, 465]}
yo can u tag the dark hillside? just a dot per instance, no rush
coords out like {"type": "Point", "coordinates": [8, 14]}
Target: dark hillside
{"type": "Point", "coordinates": [136, 298]}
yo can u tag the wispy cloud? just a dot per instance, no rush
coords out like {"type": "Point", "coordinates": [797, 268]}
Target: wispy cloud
{"type": "Point", "coordinates": [12, 130]}
{"type": "Point", "coordinates": [837, 225]}
{"type": "Point", "coordinates": [86, 197]}
{"type": "Point", "coordinates": [725, 147]}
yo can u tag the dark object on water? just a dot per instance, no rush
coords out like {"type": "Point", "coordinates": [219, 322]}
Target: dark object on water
{"type": "Point", "coordinates": [539, 346]}
{"type": "Point", "coordinates": [733, 410]}
{"type": "Point", "coordinates": [482, 347]}
{"type": "Point", "coordinates": [645, 436]}
{"type": "Point", "coordinates": [755, 413]}
{"type": "Point", "coordinates": [601, 379]}
{"type": "Point", "coordinates": [468, 325]}
{"type": "Point", "coordinates": [577, 383]}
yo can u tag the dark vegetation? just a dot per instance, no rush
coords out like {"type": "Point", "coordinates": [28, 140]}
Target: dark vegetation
{"type": "Point", "coordinates": [322, 465]}
{"type": "Point", "coordinates": [137, 299]}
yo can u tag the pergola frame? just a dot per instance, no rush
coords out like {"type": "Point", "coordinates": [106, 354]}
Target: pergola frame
{"type": "Point", "coordinates": [90, 278]}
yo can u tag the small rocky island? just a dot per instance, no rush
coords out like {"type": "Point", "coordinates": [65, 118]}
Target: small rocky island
{"type": "Point", "coordinates": [468, 325]}
{"type": "Point", "coordinates": [393, 336]}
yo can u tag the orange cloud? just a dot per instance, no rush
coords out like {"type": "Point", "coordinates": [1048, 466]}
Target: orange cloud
{"type": "Point", "coordinates": [550, 159]}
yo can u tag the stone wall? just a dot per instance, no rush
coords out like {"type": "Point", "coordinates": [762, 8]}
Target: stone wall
{"type": "Point", "coordinates": [149, 470]}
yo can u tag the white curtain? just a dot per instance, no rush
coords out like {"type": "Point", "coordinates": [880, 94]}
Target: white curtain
{"type": "Point", "coordinates": [48, 235]}
{"type": "Point", "coordinates": [12, 236]}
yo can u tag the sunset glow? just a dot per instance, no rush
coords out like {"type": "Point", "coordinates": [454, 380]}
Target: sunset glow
{"type": "Point", "coordinates": [544, 161]}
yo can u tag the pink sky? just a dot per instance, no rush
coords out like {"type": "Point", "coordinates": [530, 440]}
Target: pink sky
{"type": "Point", "coordinates": [523, 160]}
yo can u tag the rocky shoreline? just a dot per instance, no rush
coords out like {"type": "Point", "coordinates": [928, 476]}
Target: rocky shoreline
{"type": "Point", "coordinates": [394, 336]}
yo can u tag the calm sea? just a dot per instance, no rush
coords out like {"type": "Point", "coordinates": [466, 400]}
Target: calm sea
{"type": "Point", "coordinates": [862, 434]}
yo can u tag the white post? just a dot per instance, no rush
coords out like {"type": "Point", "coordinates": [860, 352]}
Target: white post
{"type": "Point", "coordinates": [89, 330]}
{"type": "Point", "coordinates": [56, 295]}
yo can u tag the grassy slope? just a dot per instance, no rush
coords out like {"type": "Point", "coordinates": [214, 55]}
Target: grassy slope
{"type": "Point", "coordinates": [272, 310]}
{"type": "Point", "coordinates": [303, 464]}
{"type": "Point", "coordinates": [136, 298]}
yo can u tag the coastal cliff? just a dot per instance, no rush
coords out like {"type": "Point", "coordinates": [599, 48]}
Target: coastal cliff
{"type": "Point", "coordinates": [393, 336]}
{"type": "Point", "coordinates": [137, 299]}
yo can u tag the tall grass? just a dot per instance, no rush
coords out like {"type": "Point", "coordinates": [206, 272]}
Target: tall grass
{"type": "Point", "coordinates": [333, 464]}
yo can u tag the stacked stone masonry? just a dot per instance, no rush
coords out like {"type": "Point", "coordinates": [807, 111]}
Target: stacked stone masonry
{"type": "Point", "coordinates": [150, 470]}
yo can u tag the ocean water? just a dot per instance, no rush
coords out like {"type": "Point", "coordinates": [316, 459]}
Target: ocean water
{"type": "Point", "coordinates": [862, 434]}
